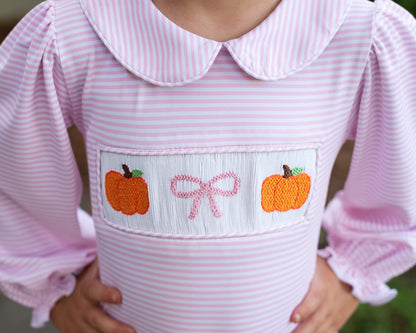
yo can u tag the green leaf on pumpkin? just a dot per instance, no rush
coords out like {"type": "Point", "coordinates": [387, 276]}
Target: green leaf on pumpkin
{"type": "Point", "coordinates": [296, 171]}
{"type": "Point", "coordinates": [137, 173]}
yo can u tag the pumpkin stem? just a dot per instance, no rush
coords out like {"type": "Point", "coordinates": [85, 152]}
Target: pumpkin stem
{"type": "Point", "coordinates": [127, 172]}
{"type": "Point", "coordinates": [288, 172]}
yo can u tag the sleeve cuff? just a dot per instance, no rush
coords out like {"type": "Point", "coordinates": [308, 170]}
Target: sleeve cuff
{"type": "Point", "coordinates": [367, 288]}
{"type": "Point", "coordinates": [86, 224]}
{"type": "Point", "coordinates": [61, 285]}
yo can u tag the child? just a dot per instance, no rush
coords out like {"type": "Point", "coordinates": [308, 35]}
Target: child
{"type": "Point", "coordinates": [211, 129]}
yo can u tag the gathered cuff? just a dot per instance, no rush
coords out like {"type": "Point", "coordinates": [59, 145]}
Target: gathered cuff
{"type": "Point", "coordinates": [60, 285]}
{"type": "Point", "coordinates": [366, 287]}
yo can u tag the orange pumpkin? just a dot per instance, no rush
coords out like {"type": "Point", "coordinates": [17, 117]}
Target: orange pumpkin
{"type": "Point", "coordinates": [286, 192]}
{"type": "Point", "coordinates": [127, 193]}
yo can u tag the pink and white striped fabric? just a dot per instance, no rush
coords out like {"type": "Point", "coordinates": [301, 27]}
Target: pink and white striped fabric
{"type": "Point", "coordinates": [146, 93]}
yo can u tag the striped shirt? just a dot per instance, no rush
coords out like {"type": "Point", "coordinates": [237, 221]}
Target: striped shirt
{"type": "Point", "coordinates": [209, 161]}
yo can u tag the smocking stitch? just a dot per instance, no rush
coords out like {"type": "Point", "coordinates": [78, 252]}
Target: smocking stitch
{"type": "Point", "coordinates": [207, 189]}
{"type": "Point", "coordinates": [127, 193]}
{"type": "Point", "coordinates": [282, 193]}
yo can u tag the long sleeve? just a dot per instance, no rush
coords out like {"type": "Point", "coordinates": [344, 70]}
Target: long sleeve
{"type": "Point", "coordinates": [42, 242]}
{"type": "Point", "coordinates": [371, 224]}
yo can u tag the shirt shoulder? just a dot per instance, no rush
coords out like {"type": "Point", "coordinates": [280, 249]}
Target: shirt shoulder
{"type": "Point", "coordinates": [392, 20]}
{"type": "Point", "coordinates": [394, 34]}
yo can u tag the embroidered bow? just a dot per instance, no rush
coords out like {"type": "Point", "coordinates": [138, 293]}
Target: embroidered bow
{"type": "Point", "coordinates": [205, 189]}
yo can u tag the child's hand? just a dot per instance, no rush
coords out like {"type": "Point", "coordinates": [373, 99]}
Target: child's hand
{"type": "Point", "coordinates": [80, 312]}
{"type": "Point", "coordinates": [327, 305]}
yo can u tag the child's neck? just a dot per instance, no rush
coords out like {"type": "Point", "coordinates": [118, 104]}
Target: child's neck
{"type": "Point", "coordinates": [219, 20]}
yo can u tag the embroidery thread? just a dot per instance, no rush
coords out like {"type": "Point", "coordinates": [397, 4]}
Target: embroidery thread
{"type": "Point", "coordinates": [127, 193]}
{"type": "Point", "coordinates": [286, 192]}
{"type": "Point", "coordinates": [206, 188]}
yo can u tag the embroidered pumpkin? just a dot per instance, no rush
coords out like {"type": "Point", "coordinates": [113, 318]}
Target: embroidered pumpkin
{"type": "Point", "coordinates": [286, 192]}
{"type": "Point", "coordinates": [127, 193]}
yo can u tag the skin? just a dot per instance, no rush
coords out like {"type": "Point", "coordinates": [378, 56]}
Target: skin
{"type": "Point", "coordinates": [325, 308]}
{"type": "Point", "coordinates": [81, 312]}
{"type": "Point", "coordinates": [217, 19]}
{"type": "Point", "coordinates": [328, 303]}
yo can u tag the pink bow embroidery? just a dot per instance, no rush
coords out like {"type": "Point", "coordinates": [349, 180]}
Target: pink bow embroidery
{"type": "Point", "coordinates": [205, 189]}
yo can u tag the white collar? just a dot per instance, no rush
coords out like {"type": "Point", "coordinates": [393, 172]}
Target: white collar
{"type": "Point", "coordinates": [154, 48]}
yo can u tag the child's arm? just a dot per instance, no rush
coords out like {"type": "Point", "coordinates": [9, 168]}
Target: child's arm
{"type": "Point", "coordinates": [42, 242]}
{"type": "Point", "coordinates": [372, 223]}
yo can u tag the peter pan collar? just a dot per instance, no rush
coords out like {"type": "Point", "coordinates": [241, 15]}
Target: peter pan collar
{"type": "Point", "coordinates": [154, 48]}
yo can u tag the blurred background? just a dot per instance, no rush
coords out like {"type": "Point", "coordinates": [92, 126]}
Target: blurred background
{"type": "Point", "coordinates": [399, 316]}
